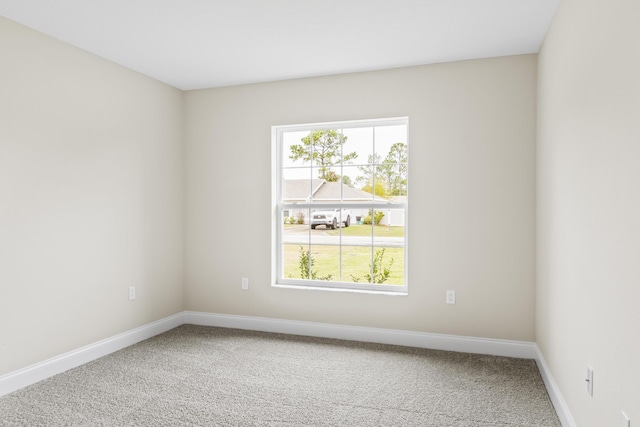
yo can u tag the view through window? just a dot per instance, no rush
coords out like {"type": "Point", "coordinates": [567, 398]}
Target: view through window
{"type": "Point", "coordinates": [341, 195]}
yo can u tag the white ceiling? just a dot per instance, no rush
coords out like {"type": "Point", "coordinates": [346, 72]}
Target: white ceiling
{"type": "Point", "coordinates": [193, 44]}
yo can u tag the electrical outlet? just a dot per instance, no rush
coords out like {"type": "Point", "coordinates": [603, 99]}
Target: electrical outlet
{"type": "Point", "coordinates": [589, 380]}
{"type": "Point", "coordinates": [451, 297]}
{"type": "Point", "coordinates": [245, 283]}
{"type": "Point", "coordinates": [132, 293]}
{"type": "Point", "coordinates": [625, 421]}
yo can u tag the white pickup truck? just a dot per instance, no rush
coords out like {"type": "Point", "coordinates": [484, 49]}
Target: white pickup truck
{"type": "Point", "coordinates": [331, 218]}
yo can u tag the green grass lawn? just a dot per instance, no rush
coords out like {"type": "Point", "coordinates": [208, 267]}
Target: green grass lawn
{"type": "Point", "coordinates": [365, 230]}
{"type": "Point", "coordinates": [355, 261]}
{"type": "Point", "coordinates": [358, 230]}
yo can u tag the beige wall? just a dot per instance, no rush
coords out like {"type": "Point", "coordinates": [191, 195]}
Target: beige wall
{"type": "Point", "coordinates": [589, 207]}
{"type": "Point", "coordinates": [472, 195]}
{"type": "Point", "coordinates": [90, 198]}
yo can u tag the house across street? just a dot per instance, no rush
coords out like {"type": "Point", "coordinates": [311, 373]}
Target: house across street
{"type": "Point", "coordinates": [321, 191]}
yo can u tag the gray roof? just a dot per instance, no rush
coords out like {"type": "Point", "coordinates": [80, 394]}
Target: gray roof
{"type": "Point", "coordinates": [300, 190]}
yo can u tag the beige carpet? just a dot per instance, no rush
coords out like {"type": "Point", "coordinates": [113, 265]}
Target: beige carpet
{"type": "Point", "coordinates": [203, 376]}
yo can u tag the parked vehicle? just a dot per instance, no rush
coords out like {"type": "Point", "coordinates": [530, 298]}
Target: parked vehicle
{"type": "Point", "coordinates": [331, 218]}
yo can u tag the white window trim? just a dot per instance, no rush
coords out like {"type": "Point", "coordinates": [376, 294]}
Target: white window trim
{"type": "Point", "coordinates": [277, 279]}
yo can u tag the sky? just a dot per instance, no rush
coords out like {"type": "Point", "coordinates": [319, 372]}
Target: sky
{"type": "Point", "coordinates": [362, 140]}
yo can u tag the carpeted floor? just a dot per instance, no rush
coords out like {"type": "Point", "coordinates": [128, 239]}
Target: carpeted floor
{"type": "Point", "coordinates": [204, 376]}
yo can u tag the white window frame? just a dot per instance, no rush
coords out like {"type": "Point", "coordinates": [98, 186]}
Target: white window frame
{"type": "Point", "coordinates": [278, 279]}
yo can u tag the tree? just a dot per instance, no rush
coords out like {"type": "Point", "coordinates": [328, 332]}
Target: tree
{"type": "Point", "coordinates": [379, 189]}
{"type": "Point", "coordinates": [324, 148]}
{"type": "Point", "coordinates": [394, 168]}
{"type": "Point", "coordinates": [331, 176]}
{"type": "Point", "coordinates": [370, 173]}
{"type": "Point", "coordinates": [390, 175]}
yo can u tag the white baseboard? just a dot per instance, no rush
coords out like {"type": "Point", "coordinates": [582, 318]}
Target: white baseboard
{"type": "Point", "coordinates": [566, 419]}
{"type": "Point", "coordinates": [519, 349]}
{"type": "Point", "coordinates": [32, 374]}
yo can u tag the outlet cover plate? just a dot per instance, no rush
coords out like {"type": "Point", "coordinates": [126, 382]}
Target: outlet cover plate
{"type": "Point", "coordinates": [451, 297]}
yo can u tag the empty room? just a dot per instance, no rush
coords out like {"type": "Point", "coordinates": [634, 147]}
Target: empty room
{"type": "Point", "coordinates": [322, 213]}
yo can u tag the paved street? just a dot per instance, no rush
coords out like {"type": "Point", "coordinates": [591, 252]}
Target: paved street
{"type": "Point", "coordinates": [300, 235]}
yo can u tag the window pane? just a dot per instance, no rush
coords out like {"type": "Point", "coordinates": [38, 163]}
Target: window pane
{"type": "Point", "coordinates": [291, 259]}
{"type": "Point", "coordinates": [294, 151]}
{"type": "Point", "coordinates": [354, 184]}
{"type": "Point", "coordinates": [388, 266]}
{"type": "Point", "coordinates": [391, 159]}
{"type": "Point", "coordinates": [389, 243]}
{"type": "Point", "coordinates": [389, 230]}
{"type": "Point", "coordinates": [394, 176]}
{"type": "Point", "coordinates": [295, 226]}
{"type": "Point", "coordinates": [358, 146]}
{"type": "Point", "coordinates": [311, 262]}
{"type": "Point", "coordinates": [297, 187]}
{"type": "Point", "coordinates": [386, 136]}
{"type": "Point", "coordinates": [325, 227]}
{"type": "Point", "coordinates": [325, 147]}
{"type": "Point", "coordinates": [325, 262]}
{"type": "Point", "coordinates": [355, 264]}
{"type": "Point", "coordinates": [348, 176]}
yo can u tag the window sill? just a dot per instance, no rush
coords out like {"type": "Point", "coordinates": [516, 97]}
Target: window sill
{"type": "Point", "coordinates": [357, 291]}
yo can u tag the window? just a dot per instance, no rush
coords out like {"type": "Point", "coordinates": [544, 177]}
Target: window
{"type": "Point", "coordinates": [340, 195]}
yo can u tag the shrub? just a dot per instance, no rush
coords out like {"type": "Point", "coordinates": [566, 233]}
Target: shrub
{"type": "Point", "coordinates": [300, 218]}
{"type": "Point", "coordinates": [377, 217]}
{"type": "Point", "coordinates": [380, 272]}
{"type": "Point", "coordinates": [305, 263]}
